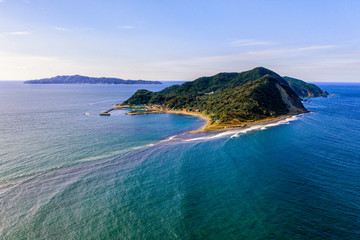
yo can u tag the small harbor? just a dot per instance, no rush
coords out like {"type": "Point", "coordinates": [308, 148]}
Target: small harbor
{"type": "Point", "coordinates": [117, 107]}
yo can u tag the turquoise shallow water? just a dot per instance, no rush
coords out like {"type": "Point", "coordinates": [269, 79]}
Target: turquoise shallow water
{"type": "Point", "coordinates": [65, 174]}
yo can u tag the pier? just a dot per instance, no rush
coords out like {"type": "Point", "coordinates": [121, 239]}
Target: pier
{"type": "Point", "coordinates": [107, 113]}
{"type": "Point", "coordinates": [136, 110]}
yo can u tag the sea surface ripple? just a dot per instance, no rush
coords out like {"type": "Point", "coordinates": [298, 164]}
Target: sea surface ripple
{"type": "Point", "coordinates": [67, 173]}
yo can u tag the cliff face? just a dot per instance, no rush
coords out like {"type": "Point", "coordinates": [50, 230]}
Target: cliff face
{"type": "Point", "coordinates": [229, 98]}
{"type": "Point", "coordinates": [304, 89]}
{"type": "Point", "coordinates": [292, 103]}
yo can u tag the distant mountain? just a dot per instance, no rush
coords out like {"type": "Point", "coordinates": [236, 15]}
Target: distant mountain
{"type": "Point", "coordinates": [229, 99]}
{"type": "Point", "coordinates": [304, 89]}
{"type": "Point", "coordinates": [77, 79]}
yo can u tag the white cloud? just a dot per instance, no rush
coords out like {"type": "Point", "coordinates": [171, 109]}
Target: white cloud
{"type": "Point", "coordinates": [61, 29]}
{"type": "Point", "coordinates": [64, 29]}
{"type": "Point", "coordinates": [258, 56]}
{"type": "Point", "coordinates": [314, 47]}
{"type": "Point", "coordinates": [126, 27]}
{"type": "Point", "coordinates": [287, 61]}
{"type": "Point", "coordinates": [249, 42]}
{"type": "Point", "coordinates": [17, 66]}
{"type": "Point", "coordinates": [310, 63]}
{"type": "Point", "coordinates": [17, 33]}
{"type": "Point", "coordinates": [23, 67]}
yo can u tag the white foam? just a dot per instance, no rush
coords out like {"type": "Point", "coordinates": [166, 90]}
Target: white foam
{"type": "Point", "coordinates": [237, 133]}
{"type": "Point", "coordinates": [115, 153]}
{"type": "Point", "coordinates": [169, 138]}
{"type": "Point", "coordinates": [219, 135]}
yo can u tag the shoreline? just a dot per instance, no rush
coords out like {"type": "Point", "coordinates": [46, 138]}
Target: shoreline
{"type": "Point", "coordinates": [208, 128]}
{"type": "Point", "coordinates": [214, 129]}
{"type": "Point", "coordinates": [252, 124]}
{"type": "Point", "coordinates": [194, 114]}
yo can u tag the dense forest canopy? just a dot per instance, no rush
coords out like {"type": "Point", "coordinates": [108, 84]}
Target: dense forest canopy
{"type": "Point", "coordinates": [228, 98]}
{"type": "Point", "coordinates": [303, 89]}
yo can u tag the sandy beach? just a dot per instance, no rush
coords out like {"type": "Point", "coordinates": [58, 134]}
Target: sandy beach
{"type": "Point", "coordinates": [209, 128]}
{"type": "Point", "coordinates": [195, 114]}
{"type": "Point", "coordinates": [251, 124]}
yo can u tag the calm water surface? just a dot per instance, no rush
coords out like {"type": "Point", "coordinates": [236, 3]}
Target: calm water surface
{"type": "Point", "coordinates": [67, 173]}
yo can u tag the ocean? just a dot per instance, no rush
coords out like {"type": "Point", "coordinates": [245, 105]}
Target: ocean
{"type": "Point", "coordinates": [68, 173]}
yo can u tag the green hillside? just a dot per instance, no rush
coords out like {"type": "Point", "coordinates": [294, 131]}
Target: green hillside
{"type": "Point", "coordinates": [228, 98]}
{"type": "Point", "coordinates": [304, 89]}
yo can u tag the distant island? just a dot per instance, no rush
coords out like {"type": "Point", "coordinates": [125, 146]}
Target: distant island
{"type": "Point", "coordinates": [77, 79]}
{"type": "Point", "coordinates": [228, 100]}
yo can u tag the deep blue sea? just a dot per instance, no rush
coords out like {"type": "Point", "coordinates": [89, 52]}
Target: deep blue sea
{"type": "Point", "coordinates": [68, 173]}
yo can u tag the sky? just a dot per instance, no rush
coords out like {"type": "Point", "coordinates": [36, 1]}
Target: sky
{"type": "Point", "coordinates": [317, 41]}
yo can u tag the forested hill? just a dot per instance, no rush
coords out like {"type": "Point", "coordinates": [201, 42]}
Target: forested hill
{"type": "Point", "coordinates": [219, 82]}
{"type": "Point", "coordinates": [304, 89]}
{"type": "Point", "coordinates": [228, 98]}
{"type": "Point", "coordinates": [77, 79]}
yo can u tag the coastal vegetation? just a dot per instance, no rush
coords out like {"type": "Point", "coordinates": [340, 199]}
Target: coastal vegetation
{"type": "Point", "coordinates": [228, 99]}
{"type": "Point", "coordinates": [77, 79]}
{"type": "Point", "coordinates": [304, 89]}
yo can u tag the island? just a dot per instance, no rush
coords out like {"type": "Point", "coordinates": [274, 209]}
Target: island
{"type": "Point", "coordinates": [225, 100]}
{"type": "Point", "coordinates": [78, 79]}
